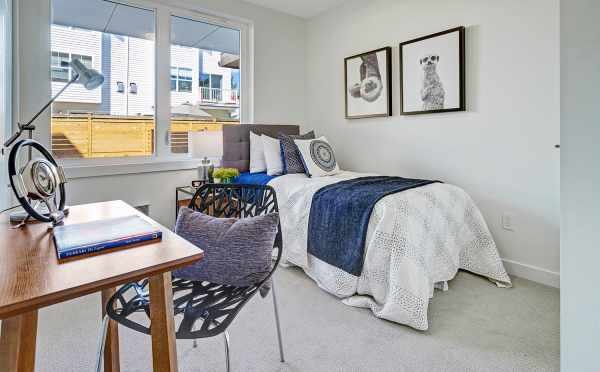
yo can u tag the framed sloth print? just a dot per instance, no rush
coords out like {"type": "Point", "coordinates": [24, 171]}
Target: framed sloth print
{"type": "Point", "coordinates": [432, 73]}
{"type": "Point", "coordinates": [368, 84]}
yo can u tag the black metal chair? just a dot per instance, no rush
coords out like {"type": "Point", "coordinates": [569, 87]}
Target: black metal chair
{"type": "Point", "coordinates": [206, 309]}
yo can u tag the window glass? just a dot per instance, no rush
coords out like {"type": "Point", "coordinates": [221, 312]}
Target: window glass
{"type": "Point", "coordinates": [181, 79]}
{"type": "Point", "coordinates": [86, 60]}
{"type": "Point", "coordinates": [205, 80]}
{"type": "Point", "coordinates": [173, 79]}
{"type": "Point", "coordinates": [117, 118]}
{"type": "Point", "coordinates": [215, 81]}
{"type": "Point", "coordinates": [59, 66]}
{"type": "Point", "coordinates": [235, 79]}
{"type": "Point", "coordinates": [204, 59]}
{"type": "Point", "coordinates": [185, 80]}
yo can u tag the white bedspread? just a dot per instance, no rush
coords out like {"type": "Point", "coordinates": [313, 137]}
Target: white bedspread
{"type": "Point", "coordinates": [416, 239]}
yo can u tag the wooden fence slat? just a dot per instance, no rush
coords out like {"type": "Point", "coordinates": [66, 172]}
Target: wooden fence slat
{"type": "Point", "coordinates": [91, 136]}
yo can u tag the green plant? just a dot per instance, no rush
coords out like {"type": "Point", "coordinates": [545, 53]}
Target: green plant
{"type": "Point", "coordinates": [225, 173]}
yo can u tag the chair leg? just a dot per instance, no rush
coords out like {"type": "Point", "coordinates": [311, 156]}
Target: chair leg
{"type": "Point", "coordinates": [276, 311]}
{"type": "Point", "coordinates": [102, 343]}
{"type": "Point", "coordinates": [226, 339]}
{"type": "Point", "coordinates": [227, 361]}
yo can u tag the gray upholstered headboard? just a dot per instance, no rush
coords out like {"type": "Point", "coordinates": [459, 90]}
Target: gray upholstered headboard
{"type": "Point", "coordinates": [236, 141]}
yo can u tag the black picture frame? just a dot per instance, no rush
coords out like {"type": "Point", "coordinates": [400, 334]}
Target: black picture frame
{"type": "Point", "coordinates": [387, 86]}
{"type": "Point", "coordinates": [461, 79]}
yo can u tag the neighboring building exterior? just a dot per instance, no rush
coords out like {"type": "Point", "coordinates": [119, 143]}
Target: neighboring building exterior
{"type": "Point", "coordinates": [128, 67]}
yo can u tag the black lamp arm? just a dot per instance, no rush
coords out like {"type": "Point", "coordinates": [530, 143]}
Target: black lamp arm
{"type": "Point", "coordinates": [28, 125]}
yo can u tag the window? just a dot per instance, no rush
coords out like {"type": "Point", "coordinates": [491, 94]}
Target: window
{"type": "Point", "coordinates": [235, 86]}
{"type": "Point", "coordinates": [61, 69]}
{"type": "Point", "coordinates": [211, 87]}
{"type": "Point", "coordinates": [118, 118]}
{"type": "Point", "coordinates": [181, 79]}
{"type": "Point", "coordinates": [215, 81]}
{"type": "Point", "coordinates": [119, 43]}
{"type": "Point", "coordinates": [86, 60]}
{"type": "Point", "coordinates": [173, 79]}
{"type": "Point", "coordinates": [59, 66]}
{"type": "Point", "coordinates": [204, 80]}
{"type": "Point", "coordinates": [235, 79]}
{"type": "Point", "coordinates": [212, 80]}
{"type": "Point", "coordinates": [203, 96]}
{"type": "Point", "coordinates": [185, 80]}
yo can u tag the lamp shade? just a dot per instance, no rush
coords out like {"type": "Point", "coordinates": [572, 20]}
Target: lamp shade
{"type": "Point", "coordinates": [90, 78]}
{"type": "Point", "coordinates": [207, 144]}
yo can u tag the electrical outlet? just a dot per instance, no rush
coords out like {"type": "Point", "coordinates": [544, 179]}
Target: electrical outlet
{"type": "Point", "coordinates": [507, 221]}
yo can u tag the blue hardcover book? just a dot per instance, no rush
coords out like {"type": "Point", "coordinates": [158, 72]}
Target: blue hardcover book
{"type": "Point", "coordinates": [95, 236]}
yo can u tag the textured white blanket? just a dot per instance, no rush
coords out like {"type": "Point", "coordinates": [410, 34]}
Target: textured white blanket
{"type": "Point", "coordinates": [416, 239]}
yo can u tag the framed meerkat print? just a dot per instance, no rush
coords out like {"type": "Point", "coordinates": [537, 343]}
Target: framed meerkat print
{"type": "Point", "coordinates": [432, 73]}
{"type": "Point", "coordinates": [368, 84]}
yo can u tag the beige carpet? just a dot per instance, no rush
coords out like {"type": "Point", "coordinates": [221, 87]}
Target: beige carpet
{"type": "Point", "coordinates": [473, 327]}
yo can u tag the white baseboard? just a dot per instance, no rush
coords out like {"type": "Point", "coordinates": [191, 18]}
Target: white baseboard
{"type": "Point", "coordinates": [533, 273]}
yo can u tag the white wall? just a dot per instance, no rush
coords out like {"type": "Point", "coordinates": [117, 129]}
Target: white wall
{"type": "Point", "coordinates": [511, 124]}
{"type": "Point", "coordinates": [501, 150]}
{"type": "Point", "coordinates": [278, 97]}
{"type": "Point", "coordinates": [156, 189]}
{"type": "Point", "coordinates": [580, 177]}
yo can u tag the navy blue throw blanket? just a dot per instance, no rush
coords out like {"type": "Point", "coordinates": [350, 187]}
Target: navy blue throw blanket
{"type": "Point", "coordinates": [339, 218]}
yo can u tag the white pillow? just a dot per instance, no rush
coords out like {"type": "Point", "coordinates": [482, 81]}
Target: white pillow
{"type": "Point", "coordinates": [257, 154]}
{"type": "Point", "coordinates": [272, 152]}
{"type": "Point", "coordinates": [318, 157]}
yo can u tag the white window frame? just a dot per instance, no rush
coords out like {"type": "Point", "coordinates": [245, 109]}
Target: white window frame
{"type": "Point", "coordinates": [163, 159]}
{"type": "Point", "coordinates": [6, 61]}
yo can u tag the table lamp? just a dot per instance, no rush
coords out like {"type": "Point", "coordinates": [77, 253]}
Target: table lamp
{"type": "Point", "coordinates": [206, 145]}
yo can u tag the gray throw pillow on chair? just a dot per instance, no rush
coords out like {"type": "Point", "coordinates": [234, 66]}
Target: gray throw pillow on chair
{"type": "Point", "coordinates": [237, 251]}
{"type": "Point", "coordinates": [292, 161]}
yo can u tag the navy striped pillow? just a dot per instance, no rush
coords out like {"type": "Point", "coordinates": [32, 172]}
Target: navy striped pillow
{"type": "Point", "coordinates": [292, 161]}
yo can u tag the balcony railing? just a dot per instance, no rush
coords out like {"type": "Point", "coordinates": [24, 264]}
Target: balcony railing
{"type": "Point", "coordinates": [220, 96]}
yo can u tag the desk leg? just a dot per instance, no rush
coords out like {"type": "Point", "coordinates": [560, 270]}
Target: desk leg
{"type": "Point", "coordinates": [164, 352]}
{"type": "Point", "coordinates": [17, 343]}
{"type": "Point", "coordinates": [111, 348]}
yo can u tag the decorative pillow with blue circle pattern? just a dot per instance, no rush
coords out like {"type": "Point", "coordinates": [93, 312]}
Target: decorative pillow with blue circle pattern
{"type": "Point", "coordinates": [318, 157]}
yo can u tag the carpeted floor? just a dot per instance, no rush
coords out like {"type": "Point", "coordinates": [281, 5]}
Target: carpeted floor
{"type": "Point", "coordinates": [473, 327]}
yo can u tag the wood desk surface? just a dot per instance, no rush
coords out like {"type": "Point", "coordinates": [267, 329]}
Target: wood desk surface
{"type": "Point", "coordinates": [31, 276]}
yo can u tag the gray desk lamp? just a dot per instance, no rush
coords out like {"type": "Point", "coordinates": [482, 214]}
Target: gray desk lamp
{"type": "Point", "coordinates": [89, 78]}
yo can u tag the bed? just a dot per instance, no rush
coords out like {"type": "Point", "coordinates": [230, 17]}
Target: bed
{"type": "Point", "coordinates": [416, 240]}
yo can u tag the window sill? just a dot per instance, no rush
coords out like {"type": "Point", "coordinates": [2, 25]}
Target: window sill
{"type": "Point", "coordinates": [73, 171]}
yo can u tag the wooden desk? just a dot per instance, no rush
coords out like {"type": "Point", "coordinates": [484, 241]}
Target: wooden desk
{"type": "Point", "coordinates": [31, 278]}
